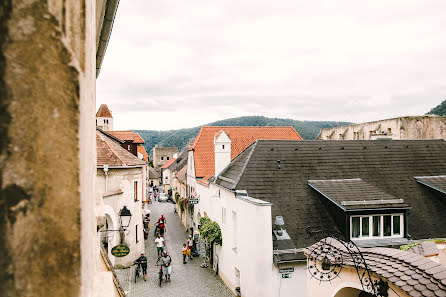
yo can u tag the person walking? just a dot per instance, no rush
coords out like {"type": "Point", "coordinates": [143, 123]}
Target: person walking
{"type": "Point", "coordinates": [142, 261]}
{"type": "Point", "coordinates": [164, 261]}
{"type": "Point", "coordinates": [190, 243]}
{"type": "Point", "coordinates": [184, 250]}
{"type": "Point", "coordinates": [160, 244]}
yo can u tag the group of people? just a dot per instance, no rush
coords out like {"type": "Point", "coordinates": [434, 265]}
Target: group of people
{"type": "Point", "coordinates": [164, 259]}
{"type": "Point", "coordinates": [187, 249]}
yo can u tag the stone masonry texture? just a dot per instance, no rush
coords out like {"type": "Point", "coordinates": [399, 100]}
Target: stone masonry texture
{"type": "Point", "coordinates": [41, 56]}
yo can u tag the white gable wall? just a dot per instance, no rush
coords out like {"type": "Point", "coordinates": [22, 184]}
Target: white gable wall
{"type": "Point", "coordinates": [254, 256]}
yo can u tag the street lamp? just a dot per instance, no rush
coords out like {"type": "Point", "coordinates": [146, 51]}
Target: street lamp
{"type": "Point", "coordinates": [125, 216]}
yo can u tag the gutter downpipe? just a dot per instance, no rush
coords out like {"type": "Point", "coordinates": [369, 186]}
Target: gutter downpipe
{"type": "Point", "coordinates": [107, 26]}
{"type": "Point", "coordinates": [106, 177]}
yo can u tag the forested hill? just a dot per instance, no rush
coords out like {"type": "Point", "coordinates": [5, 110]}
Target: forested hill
{"type": "Point", "coordinates": [440, 109]}
{"type": "Point", "coordinates": [180, 138]}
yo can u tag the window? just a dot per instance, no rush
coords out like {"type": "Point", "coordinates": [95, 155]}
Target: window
{"type": "Point", "coordinates": [355, 227]}
{"type": "Point", "coordinates": [128, 147]}
{"type": "Point", "coordinates": [136, 232]}
{"type": "Point", "coordinates": [377, 226]}
{"type": "Point", "coordinates": [223, 215]}
{"type": "Point", "coordinates": [396, 225]}
{"type": "Point", "coordinates": [162, 158]}
{"type": "Point", "coordinates": [167, 158]}
{"type": "Point", "coordinates": [387, 226]}
{"type": "Point", "coordinates": [365, 227]}
{"type": "Point", "coordinates": [135, 190]}
{"type": "Point", "coordinates": [223, 147]}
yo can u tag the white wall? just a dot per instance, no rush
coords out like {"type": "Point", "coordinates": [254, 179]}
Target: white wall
{"type": "Point", "coordinates": [287, 287]}
{"type": "Point", "coordinates": [254, 241]}
{"type": "Point", "coordinates": [123, 179]}
{"type": "Point", "coordinates": [101, 123]}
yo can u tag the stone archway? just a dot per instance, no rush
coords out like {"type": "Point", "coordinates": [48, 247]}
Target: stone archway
{"type": "Point", "coordinates": [352, 292]}
{"type": "Point", "coordinates": [112, 222]}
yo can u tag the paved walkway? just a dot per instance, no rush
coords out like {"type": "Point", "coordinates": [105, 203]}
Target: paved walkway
{"type": "Point", "coordinates": [187, 279]}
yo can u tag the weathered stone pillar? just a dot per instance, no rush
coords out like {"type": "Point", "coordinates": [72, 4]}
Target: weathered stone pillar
{"type": "Point", "coordinates": [47, 152]}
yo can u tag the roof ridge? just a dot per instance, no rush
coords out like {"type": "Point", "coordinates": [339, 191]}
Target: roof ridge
{"type": "Point", "coordinates": [254, 145]}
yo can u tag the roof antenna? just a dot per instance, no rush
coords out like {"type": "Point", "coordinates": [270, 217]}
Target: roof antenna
{"type": "Point", "coordinates": [278, 164]}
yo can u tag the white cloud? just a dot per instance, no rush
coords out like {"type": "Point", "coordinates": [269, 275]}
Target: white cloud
{"type": "Point", "coordinates": [186, 63]}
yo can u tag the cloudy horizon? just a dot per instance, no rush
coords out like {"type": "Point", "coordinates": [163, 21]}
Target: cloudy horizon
{"type": "Point", "coordinates": [178, 64]}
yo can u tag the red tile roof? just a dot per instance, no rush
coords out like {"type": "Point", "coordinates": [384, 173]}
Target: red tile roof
{"type": "Point", "coordinates": [127, 136]}
{"type": "Point", "coordinates": [168, 163]}
{"type": "Point", "coordinates": [104, 112]}
{"type": "Point", "coordinates": [110, 152]}
{"type": "Point", "coordinates": [142, 151]}
{"type": "Point", "coordinates": [241, 138]}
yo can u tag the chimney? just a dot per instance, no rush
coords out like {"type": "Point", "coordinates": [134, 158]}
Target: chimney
{"type": "Point", "coordinates": [222, 149]}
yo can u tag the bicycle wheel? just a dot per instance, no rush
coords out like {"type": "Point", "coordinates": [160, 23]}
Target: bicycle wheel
{"type": "Point", "coordinates": [161, 278]}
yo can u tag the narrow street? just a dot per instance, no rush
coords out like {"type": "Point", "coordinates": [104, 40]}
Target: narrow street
{"type": "Point", "coordinates": [187, 279]}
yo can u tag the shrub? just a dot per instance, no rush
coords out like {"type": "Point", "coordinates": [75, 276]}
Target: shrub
{"type": "Point", "coordinates": [210, 231]}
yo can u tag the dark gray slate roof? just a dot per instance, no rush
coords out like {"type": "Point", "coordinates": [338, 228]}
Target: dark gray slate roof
{"type": "Point", "coordinates": [388, 165]}
{"type": "Point", "coordinates": [153, 173]}
{"type": "Point", "coordinates": [435, 182]}
{"type": "Point", "coordinates": [349, 194]}
{"type": "Point", "coordinates": [179, 162]}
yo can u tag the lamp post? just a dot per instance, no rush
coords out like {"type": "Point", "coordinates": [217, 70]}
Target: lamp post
{"type": "Point", "coordinates": [125, 216]}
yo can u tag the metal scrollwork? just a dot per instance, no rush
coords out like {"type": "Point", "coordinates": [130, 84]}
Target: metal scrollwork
{"type": "Point", "coordinates": [325, 262]}
{"type": "Point", "coordinates": [327, 258]}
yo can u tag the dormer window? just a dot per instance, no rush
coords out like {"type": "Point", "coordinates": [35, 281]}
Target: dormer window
{"type": "Point", "coordinates": [377, 226]}
{"type": "Point", "coordinates": [370, 213]}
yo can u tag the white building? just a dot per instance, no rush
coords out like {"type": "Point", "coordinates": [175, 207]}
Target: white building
{"type": "Point", "coordinates": [104, 118]}
{"type": "Point", "coordinates": [120, 181]}
{"type": "Point", "coordinates": [276, 197]}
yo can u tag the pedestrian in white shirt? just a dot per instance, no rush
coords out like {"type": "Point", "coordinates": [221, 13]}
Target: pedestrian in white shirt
{"type": "Point", "coordinates": [160, 244]}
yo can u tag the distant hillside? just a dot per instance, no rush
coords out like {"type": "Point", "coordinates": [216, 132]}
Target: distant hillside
{"type": "Point", "coordinates": [440, 109]}
{"type": "Point", "coordinates": [180, 138]}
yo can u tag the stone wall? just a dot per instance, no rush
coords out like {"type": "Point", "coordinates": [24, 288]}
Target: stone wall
{"type": "Point", "coordinates": [408, 128]}
{"type": "Point", "coordinates": [47, 148]}
{"type": "Point", "coordinates": [164, 152]}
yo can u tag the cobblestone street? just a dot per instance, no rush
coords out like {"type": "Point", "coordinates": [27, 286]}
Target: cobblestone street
{"type": "Point", "coordinates": [187, 279]}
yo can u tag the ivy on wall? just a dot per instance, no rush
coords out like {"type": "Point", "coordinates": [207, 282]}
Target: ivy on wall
{"type": "Point", "coordinates": [210, 231]}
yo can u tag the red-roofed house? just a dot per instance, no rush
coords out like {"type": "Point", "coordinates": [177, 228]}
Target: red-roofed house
{"type": "Point", "coordinates": [215, 147]}
{"type": "Point", "coordinates": [142, 154]}
{"type": "Point", "coordinates": [131, 140]}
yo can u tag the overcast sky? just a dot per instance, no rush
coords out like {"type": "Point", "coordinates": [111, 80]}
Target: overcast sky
{"type": "Point", "coordinates": [177, 64]}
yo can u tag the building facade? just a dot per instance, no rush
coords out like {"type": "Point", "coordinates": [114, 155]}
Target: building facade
{"type": "Point", "coordinates": [120, 181]}
{"type": "Point", "coordinates": [403, 128]}
{"type": "Point", "coordinates": [162, 155]}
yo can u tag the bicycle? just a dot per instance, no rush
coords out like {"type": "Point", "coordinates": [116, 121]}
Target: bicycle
{"type": "Point", "coordinates": [160, 275]}
{"type": "Point", "coordinates": [137, 270]}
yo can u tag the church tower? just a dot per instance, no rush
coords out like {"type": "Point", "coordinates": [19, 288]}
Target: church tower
{"type": "Point", "coordinates": [104, 118]}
